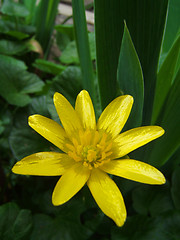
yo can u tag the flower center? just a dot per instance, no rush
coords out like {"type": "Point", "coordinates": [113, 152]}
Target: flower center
{"type": "Point", "coordinates": [92, 148]}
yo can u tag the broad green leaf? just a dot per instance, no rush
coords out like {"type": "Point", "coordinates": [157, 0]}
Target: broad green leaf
{"type": "Point", "coordinates": [12, 63]}
{"type": "Point", "coordinates": [48, 67]}
{"type": "Point", "coordinates": [64, 35]}
{"type": "Point", "coordinates": [137, 227]}
{"type": "Point", "coordinates": [16, 83]}
{"type": "Point", "coordinates": [8, 214]}
{"type": "Point", "coordinates": [163, 227]}
{"type": "Point", "coordinates": [42, 227]}
{"type": "Point", "coordinates": [66, 29]}
{"type": "Point", "coordinates": [14, 9]}
{"type": "Point", "coordinates": [83, 47]}
{"type": "Point", "coordinates": [130, 78]}
{"type": "Point", "coordinates": [145, 20]}
{"type": "Point", "coordinates": [25, 141]}
{"type": "Point", "coordinates": [166, 146]}
{"type": "Point", "coordinates": [12, 48]}
{"type": "Point", "coordinates": [69, 226]}
{"type": "Point", "coordinates": [165, 79]}
{"type": "Point", "coordinates": [152, 200]}
{"type": "Point", "coordinates": [14, 223]}
{"type": "Point", "coordinates": [175, 188]}
{"type": "Point", "coordinates": [19, 31]}
{"type": "Point", "coordinates": [70, 54]}
{"type": "Point", "coordinates": [22, 225]}
{"type": "Point", "coordinates": [39, 106]}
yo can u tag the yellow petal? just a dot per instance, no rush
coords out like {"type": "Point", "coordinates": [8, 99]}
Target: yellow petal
{"type": "Point", "coordinates": [134, 170]}
{"type": "Point", "coordinates": [115, 115]}
{"type": "Point", "coordinates": [85, 110]}
{"type": "Point", "coordinates": [135, 138]}
{"type": "Point", "coordinates": [49, 129]}
{"type": "Point", "coordinates": [68, 116]}
{"type": "Point", "coordinates": [70, 183]}
{"type": "Point", "coordinates": [107, 196]}
{"type": "Point", "coordinates": [43, 164]}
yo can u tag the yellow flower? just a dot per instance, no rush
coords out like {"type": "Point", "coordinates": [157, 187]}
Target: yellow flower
{"type": "Point", "coordinates": [91, 151]}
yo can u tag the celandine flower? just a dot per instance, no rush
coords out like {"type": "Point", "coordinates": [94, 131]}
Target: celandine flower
{"type": "Point", "coordinates": [91, 151]}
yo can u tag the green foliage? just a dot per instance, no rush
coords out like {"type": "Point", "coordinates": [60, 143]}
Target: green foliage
{"type": "Point", "coordinates": [169, 120]}
{"type": "Point", "coordinates": [130, 78]}
{"type": "Point", "coordinates": [165, 78]}
{"type": "Point", "coordinates": [70, 55]}
{"type": "Point", "coordinates": [129, 61]}
{"type": "Point", "coordinates": [83, 48]}
{"type": "Point", "coordinates": [16, 82]}
{"type": "Point", "coordinates": [48, 67]}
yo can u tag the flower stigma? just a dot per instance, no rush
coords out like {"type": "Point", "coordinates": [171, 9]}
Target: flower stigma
{"type": "Point", "coordinates": [92, 148]}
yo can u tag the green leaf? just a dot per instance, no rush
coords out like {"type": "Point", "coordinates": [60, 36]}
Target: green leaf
{"type": "Point", "coordinates": [172, 26]}
{"type": "Point", "coordinates": [136, 228]}
{"type": "Point", "coordinates": [165, 79]}
{"type": "Point", "coordinates": [83, 47]}
{"type": "Point", "coordinates": [70, 54]}
{"type": "Point", "coordinates": [164, 227]}
{"type": "Point", "coordinates": [64, 35]}
{"type": "Point", "coordinates": [12, 63]}
{"type": "Point", "coordinates": [22, 225]}
{"type": "Point", "coordinates": [39, 106]}
{"type": "Point", "coordinates": [16, 82]}
{"type": "Point", "coordinates": [166, 146]}
{"type": "Point", "coordinates": [31, 6]}
{"type": "Point", "coordinates": [175, 188]}
{"type": "Point", "coordinates": [48, 67]}
{"type": "Point", "coordinates": [42, 227]}
{"type": "Point", "coordinates": [25, 141]}
{"type": "Point", "coordinates": [44, 22]}
{"type": "Point", "coordinates": [14, 9]}
{"type": "Point", "coordinates": [67, 225]}
{"type": "Point", "coordinates": [67, 83]}
{"type": "Point", "coordinates": [66, 29]}
{"type": "Point", "coordinates": [19, 31]}
{"type": "Point", "coordinates": [12, 48]}
{"type": "Point", "coordinates": [8, 214]}
{"type": "Point", "coordinates": [130, 78]}
{"type": "Point", "coordinates": [146, 21]}
{"type": "Point", "coordinates": [152, 200]}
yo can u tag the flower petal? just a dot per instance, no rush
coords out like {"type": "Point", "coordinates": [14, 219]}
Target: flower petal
{"type": "Point", "coordinates": [43, 164]}
{"type": "Point", "coordinates": [115, 115]}
{"type": "Point", "coordinates": [107, 196]}
{"type": "Point", "coordinates": [49, 129]}
{"type": "Point", "coordinates": [70, 183]}
{"type": "Point", "coordinates": [85, 110]}
{"type": "Point", "coordinates": [134, 170]}
{"type": "Point", "coordinates": [68, 116]}
{"type": "Point", "coordinates": [135, 138]}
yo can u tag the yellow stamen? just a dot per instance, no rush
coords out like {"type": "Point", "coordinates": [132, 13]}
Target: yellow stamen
{"type": "Point", "coordinates": [91, 148]}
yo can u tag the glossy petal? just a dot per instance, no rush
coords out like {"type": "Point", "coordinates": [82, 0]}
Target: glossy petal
{"type": "Point", "coordinates": [70, 183]}
{"type": "Point", "coordinates": [107, 196]}
{"type": "Point", "coordinates": [135, 138]}
{"type": "Point", "coordinates": [68, 116]}
{"type": "Point", "coordinates": [85, 110]}
{"type": "Point", "coordinates": [49, 129]}
{"type": "Point", "coordinates": [115, 115]}
{"type": "Point", "coordinates": [43, 164]}
{"type": "Point", "coordinates": [134, 170]}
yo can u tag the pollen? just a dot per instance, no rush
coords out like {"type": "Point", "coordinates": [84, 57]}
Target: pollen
{"type": "Point", "coordinates": [92, 148]}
